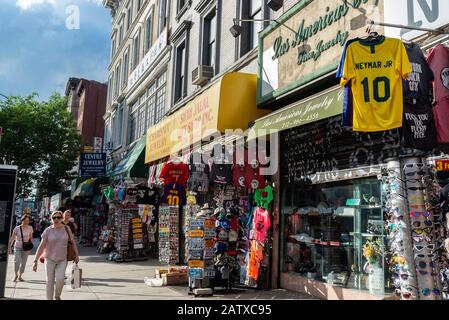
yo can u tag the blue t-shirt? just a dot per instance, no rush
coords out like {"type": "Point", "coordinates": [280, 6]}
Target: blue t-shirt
{"type": "Point", "coordinates": [347, 100]}
{"type": "Point", "coordinates": [174, 194]}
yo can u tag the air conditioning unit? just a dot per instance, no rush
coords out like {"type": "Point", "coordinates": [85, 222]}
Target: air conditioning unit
{"type": "Point", "coordinates": [202, 74]}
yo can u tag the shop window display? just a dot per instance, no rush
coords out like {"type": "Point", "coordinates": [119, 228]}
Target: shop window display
{"type": "Point", "coordinates": [328, 226]}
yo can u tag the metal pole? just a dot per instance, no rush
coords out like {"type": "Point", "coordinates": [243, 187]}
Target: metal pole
{"type": "Point", "coordinates": [265, 20]}
{"type": "Point", "coordinates": [384, 24]}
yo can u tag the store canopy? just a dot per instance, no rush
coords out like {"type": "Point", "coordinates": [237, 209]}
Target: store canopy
{"type": "Point", "coordinates": [228, 104]}
{"type": "Point", "coordinates": [318, 107]}
{"type": "Point", "coordinates": [132, 165]}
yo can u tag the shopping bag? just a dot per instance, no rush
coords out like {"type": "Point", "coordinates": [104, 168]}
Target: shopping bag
{"type": "Point", "coordinates": [76, 277]}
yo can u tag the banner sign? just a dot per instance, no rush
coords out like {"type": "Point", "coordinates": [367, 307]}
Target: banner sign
{"type": "Point", "coordinates": [93, 164]}
{"type": "Point", "coordinates": [442, 165]}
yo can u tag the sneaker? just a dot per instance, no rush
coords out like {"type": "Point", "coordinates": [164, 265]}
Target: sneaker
{"type": "Point", "coordinates": [14, 279]}
{"type": "Point", "coordinates": [21, 279]}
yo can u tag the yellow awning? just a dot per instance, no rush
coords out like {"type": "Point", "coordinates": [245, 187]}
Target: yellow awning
{"type": "Point", "coordinates": [229, 104]}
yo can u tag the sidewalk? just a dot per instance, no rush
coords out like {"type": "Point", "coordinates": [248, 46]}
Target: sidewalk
{"type": "Point", "coordinates": [105, 280]}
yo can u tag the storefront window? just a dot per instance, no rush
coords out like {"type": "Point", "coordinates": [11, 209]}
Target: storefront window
{"type": "Point", "coordinates": [325, 228]}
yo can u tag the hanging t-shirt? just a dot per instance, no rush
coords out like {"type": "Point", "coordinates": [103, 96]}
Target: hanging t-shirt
{"type": "Point", "coordinates": [175, 173]}
{"type": "Point", "coordinates": [376, 70]}
{"type": "Point", "coordinates": [199, 173]}
{"type": "Point", "coordinates": [255, 179]}
{"type": "Point", "coordinates": [263, 197]}
{"type": "Point", "coordinates": [146, 195]}
{"type": "Point", "coordinates": [261, 223]}
{"type": "Point", "coordinates": [174, 194]}
{"type": "Point", "coordinates": [417, 87]}
{"type": "Point", "coordinates": [419, 127]}
{"type": "Point", "coordinates": [241, 175]}
{"type": "Point", "coordinates": [347, 99]}
{"type": "Point", "coordinates": [439, 63]}
{"type": "Point", "coordinates": [221, 173]}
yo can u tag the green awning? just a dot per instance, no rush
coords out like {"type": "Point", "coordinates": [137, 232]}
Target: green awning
{"type": "Point", "coordinates": [133, 164]}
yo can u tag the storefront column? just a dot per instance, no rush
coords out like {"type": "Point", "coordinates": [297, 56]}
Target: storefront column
{"type": "Point", "coordinates": [398, 197]}
{"type": "Point", "coordinates": [275, 250]}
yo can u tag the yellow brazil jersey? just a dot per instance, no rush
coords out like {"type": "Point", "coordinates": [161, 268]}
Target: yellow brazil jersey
{"type": "Point", "coordinates": [376, 69]}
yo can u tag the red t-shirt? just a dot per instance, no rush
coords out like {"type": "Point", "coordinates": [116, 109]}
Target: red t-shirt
{"type": "Point", "coordinates": [240, 175]}
{"type": "Point", "coordinates": [175, 173]}
{"type": "Point", "coordinates": [256, 180]}
{"type": "Point", "coordinates": [438, 61]}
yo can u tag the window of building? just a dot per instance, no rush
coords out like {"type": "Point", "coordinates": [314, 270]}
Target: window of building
{"type": "Point", "coordinates": [156, 97]}
{"type": "Point", "coordinates": [251, 9]}
{"type": "Point", "coordinates": [136, 50]}
{"type": "Point", "coordinates": [148, 32]}
{"type": "Point", "coordinates": [181, 4]}
{"type": "Point", "coordinates": [180, 73]}
{"type": "Point", "coordinates": [119, 126]}
{"type": "Point", "coordinates": [113, 48]}
{"type": "Point", "coordinates": [132, 125]}
{"type": "Point", "coordinates": [128, 18]}
{"type": "Point", "coordinates": [142, 117]}
{"type": "Point", "coordinates": [120, 33]}
{"type": "Point", "coordinates": [138, 6]}
{"type": "Point", "coordinates": [209, 41]}
{"type": "Point", "coordinates": [163, 10]}
{"type": "Point", "coordinates": [110, 90]}
{"type": "Point", "coordinates": [125, 68]}
{"type": "Point", "coordinates": [117, 79]}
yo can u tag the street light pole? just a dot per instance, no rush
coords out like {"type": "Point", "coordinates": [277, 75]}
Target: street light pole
{"type": "Point", "coordinates": [1, 94]}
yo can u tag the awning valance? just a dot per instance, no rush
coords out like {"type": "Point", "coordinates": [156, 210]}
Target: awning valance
{"type": "Point", "coordinates": [321, 106]}
{"type": "Point", "coordinates": [228, 104]}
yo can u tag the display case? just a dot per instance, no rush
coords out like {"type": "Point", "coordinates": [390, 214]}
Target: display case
{"type": "Point", "coordinates": [326, 227]}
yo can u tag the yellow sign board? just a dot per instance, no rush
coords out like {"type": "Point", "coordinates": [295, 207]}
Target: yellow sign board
{"type": "Point", "coordinates": [196, 263]}
{"type": "Point", "coordinates": [196, 233]}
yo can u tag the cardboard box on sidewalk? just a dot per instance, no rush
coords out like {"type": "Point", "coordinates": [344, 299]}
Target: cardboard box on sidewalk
{"type": "Point", "coordinates": [175, 278]}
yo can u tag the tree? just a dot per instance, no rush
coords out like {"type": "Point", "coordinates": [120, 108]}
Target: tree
{"type": "Point", "coordinates": [41, 139]}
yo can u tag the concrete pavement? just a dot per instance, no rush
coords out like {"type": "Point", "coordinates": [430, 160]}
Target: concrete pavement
{"type": "Point", "coordinates": [105, 280]}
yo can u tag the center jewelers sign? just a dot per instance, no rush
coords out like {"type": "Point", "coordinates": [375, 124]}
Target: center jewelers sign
{"type": "Point", "coordinates": [308, 40]}
{"type": "Point", "coordinates": [93, 164]}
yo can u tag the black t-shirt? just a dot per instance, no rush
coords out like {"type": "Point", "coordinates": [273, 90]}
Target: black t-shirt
{"type": "Point", "coordinates": [146, 195]}
{"type": "Point", "coordinates": [197, 164]}
{"type": "Point", "coordinates": [418, 127]}
{"type": "Point", "coordinates": [418, 86]}
{"type": "Point", "coordinates": [221, 173]}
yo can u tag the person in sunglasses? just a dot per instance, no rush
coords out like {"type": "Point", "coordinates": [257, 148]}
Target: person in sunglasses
{"type": "Point", "coordinates": [54, 246]}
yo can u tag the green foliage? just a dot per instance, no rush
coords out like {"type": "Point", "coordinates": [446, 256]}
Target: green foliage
{"type": "Point", "coordinates": [41, 139]}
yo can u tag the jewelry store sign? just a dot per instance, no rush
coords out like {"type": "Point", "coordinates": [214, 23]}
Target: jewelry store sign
{"type": "Point", "coordinates": [308, 40]}
{"type": "Point", "coordinates": [148, 60]}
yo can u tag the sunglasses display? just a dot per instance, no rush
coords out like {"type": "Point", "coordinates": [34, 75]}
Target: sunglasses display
{"type": "Point", "coordinates": [427, 292]}
{"type": "Point", "coordinates": [422, 230]}
{"type": "Point", "coordinates": [427, 223]}
{"type": "Point", "coordinates": [417, 214]}
{"type": "Point", "coordinates": [419, 247]}
{"type": "Point", "coordinates": [413, 173]}
{"type": "Point", "coordinates": [423, 265]}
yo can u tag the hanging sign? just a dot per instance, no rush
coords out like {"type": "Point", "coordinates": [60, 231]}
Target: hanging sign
{"type": "Point", "coordinates": [93, 164]}
{"type": "Point", "coordinates": [442, 165]}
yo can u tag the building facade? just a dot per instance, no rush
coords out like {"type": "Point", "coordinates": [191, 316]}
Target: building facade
{"type": "Point", "coordinates": [73, 99]}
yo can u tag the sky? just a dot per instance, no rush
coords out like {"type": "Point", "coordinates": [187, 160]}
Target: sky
{"type": "Point", "coordinates": [45, 42]}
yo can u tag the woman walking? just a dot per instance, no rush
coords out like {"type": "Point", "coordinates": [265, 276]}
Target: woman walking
{"type": "Point", "coordinates": [54, 245]}
{"type": "Point", "coordinates": [22, 234]}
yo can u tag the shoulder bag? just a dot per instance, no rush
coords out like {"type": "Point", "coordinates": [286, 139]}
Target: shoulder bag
{"type": "Point", "coordinates": [26, 246]}
{"type": "Point", "coordinates": [71, 255]}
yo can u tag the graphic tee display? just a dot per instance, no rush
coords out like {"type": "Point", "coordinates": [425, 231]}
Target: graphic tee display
{"type": "Point", "coordinates": [262, 223]}
{"type": "Point", "coordinates": [419, 127]}
{"type": "Point", "coordinates": [418, 85]}
{"type": "Point", "coordinates": [240, 175]}
{"type": "Point", "coordinates": [263, 197]}
{"type": "Point", "coordinates": [438, 61]}
{"type": "Point", "coordinates": [174, 194]}
{"type": "Point", "coordinates": [221, 173]}
{"type": "Point", "coordinates": [376, 69]}
{"type": "Point", "coordinates": [199, 173]}
{"type": "Point", "coordinates": [146, 195]}
{"type": "Point", "coordinates": [175, 173]}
